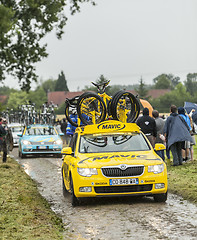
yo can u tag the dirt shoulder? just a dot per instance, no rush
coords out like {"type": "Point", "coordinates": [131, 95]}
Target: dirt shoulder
{"type": "Point", "coordinates": [25, 214]}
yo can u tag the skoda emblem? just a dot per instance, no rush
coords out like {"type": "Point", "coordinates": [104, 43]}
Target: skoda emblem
{"type": "Point", "coordinates": [123, 166]}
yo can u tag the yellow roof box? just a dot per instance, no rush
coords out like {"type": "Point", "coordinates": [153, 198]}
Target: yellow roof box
{"type": "Point", "coordinates": [109, 126]}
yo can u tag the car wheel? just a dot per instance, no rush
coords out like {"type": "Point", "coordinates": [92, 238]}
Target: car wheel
{"type": "Point", "coordinates": [74, 199]}
{"type": "Point", "coordinates": [160, 197]}
{"type": "Point", "coordinates": [65, 192]}
{"type": "Point", "coordinates": [19, 154]}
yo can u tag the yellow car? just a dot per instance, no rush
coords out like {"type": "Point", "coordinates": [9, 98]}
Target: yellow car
{"type": "Point", "coordinates": [113, 159]}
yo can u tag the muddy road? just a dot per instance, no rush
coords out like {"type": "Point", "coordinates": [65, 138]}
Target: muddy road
{"type": "Point", "coordinates": [112, 218]}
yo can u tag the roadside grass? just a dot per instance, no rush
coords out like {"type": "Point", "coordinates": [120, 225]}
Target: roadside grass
{"type": "Point", "coordinates": [182, 180]}
{"type": "Point", "coordinates": [24, 213]}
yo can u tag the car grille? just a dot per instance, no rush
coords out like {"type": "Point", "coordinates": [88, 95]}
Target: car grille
{"type": "Point", "coordinates": [42, 143]}
{"type": "Point", "coordinates": [124, 189]}
{"type": "Point", "coordinates": [43, 150]}
{"type": "Point", "coordinates": [128, 172]}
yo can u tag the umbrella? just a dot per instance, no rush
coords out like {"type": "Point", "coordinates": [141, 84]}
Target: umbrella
{"type": "Point", "coordinates": [189, 106]}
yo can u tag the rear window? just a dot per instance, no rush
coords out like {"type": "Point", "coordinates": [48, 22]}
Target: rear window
{"type": "Point", "coordinates": [40, 131]}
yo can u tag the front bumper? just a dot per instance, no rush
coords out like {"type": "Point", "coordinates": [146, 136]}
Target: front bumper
{"type": "Point", "coordinates": [147, 184]}
{"type": "Point", "coordinates": [52, 149]}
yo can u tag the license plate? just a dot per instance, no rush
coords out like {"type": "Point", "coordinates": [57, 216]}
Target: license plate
{"type": "Point", "coordinates": [42, 147]}
{"type": "Point", "coordinates": [123, 181]}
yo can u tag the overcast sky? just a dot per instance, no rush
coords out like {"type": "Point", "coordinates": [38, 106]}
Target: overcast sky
{"type": "Point", "coordinates": [124, 40]}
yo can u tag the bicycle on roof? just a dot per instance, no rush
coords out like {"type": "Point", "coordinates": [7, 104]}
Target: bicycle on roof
{"type": "Point", "coordinates": [93, 108]}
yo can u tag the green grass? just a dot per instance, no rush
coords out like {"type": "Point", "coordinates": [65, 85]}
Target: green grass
{"type": "Point", "coordinates": [182, 180]}
{"type": "Point", "coordinates": [24, 213]}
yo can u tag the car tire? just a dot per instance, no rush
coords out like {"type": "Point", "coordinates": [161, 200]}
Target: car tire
{"type": "Point", "coordinates": [20, 154]}
{"type": "Point", "coordinates": [74, 199]}
{"type": "Point", "coordinates": [160, 197]}
{"type": "Point", "coordinates": [65, 192]}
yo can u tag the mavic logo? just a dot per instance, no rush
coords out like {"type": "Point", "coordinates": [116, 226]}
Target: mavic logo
{"type": "Point", "coordinates": [115, 126]}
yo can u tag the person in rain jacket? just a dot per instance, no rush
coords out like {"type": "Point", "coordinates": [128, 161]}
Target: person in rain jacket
{"type": "Point", "coordinates": [186, 145]}
{"type": "Point", "coordinates": [176, 131]}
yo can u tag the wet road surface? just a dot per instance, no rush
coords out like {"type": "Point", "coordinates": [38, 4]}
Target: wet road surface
{"type": "Point", "coordinates": [111, 218]}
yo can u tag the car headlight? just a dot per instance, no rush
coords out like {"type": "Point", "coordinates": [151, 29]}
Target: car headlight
{"type": "Point", "coordinates": [25, 142]}
{"type": "Point", "coordinates": [87, 172]}
{"type": "Point", "coordinates": [58, 142]}
{"type": "Point", "coordinates": [156, 168]}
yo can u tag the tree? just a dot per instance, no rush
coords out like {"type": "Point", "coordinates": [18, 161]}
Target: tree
{"type": "Point", "coordinates": [162, 82]}
{"type": "Point", "coordinates": [48, 85]}
{"type": "Point", "coordinates": [142, 90]}
{"type": "Point", "coordinates": [174, 80]}
{"type": "Point", "coordinates": [61, 84]}
{"type": "Point", "coordinates": [191, 83]}
{"type": "Point", "coordinates": [38, 97]}
{"type": "Point", "coordinates": [6, 90]}
{"type": "Point", "coordinates": [16, 99]}
{"type": "Point", "coordinates": [166, 81]}
{"type": "Point", "coordinates": [23, 24]}
{"type": "Point", "coordinates": [177, 97]}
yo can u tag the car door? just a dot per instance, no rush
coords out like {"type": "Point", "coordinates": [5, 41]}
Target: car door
{"type": "Point", "coordinates": [68, 162]}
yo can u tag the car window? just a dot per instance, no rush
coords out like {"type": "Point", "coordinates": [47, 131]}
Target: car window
{"type": "Point", "coordinates": [16, 129]}
{"type": "Point", "coordinates": [40, 131]}
{"type": "Point", "coordinates": [113, 143]}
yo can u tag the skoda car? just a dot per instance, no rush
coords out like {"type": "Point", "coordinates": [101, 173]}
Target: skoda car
{"type": "Point", "coordinates": [39, 139]}
{"type": "Point", "coordinates": [113, 159]}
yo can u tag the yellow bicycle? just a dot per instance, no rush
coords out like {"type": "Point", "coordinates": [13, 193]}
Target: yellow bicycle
{"type": "Point", "coordinates": [94, 108]}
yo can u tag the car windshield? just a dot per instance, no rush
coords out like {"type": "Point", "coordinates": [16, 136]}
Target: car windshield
{"type": "Point", "coordinates": [113, 143]}
{"type": "Point", "coordinates": [40, 131]}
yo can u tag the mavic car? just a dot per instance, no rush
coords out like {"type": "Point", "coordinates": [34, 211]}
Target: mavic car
{"type": "Point", "coordinates": [40, 139]}
{"type": "Point", "coordinates": [113, 159]}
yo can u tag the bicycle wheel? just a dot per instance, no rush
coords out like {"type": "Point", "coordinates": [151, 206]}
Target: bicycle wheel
{"type": "Point", "coordinates": [91, 108]}
{"type": "Point", "coordinates": [125, 107]}
{"type": "Point", "coordinates": [69, 108]}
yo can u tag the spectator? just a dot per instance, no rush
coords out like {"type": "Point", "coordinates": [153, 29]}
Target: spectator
{"type": "Point", "coordinates": [186, 144]}
{"type": "Point", "coordinates": [58, 126]}
{"type": "Point", "coordinates": [6, 139]}
{"type": "Point", "coordinates": [159, 127]}
{"type": "Point", "coordinates": [148, 126]}
{"type": "Point", "coordinates": [63, 128]}
{"type": "Point", "coordinates": [193, 132]}
{"type": "Point", "coordinates": [70, 128]}
{"type": "Point", "coordinates": [176, 131]}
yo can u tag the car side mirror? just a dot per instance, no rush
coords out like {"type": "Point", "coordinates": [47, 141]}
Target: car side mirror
{"type": "Point", "coordinates": [67, 151]}
{"type": "Point", "coordinates": [159, 147]}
